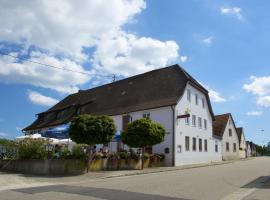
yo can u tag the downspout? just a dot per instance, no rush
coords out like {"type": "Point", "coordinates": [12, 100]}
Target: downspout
{"type": "Point", "coordinates": [173, 135]}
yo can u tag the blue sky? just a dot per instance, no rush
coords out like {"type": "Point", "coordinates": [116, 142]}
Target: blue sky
{"type": "Point", "coordinates": [223, 44]}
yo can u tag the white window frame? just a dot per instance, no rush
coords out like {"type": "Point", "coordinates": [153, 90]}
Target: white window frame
{"type": "Point", "coordinates": [205, 124]}
{"type": "Point", "coordinates": [194, 120]}
{"type": "Point", "coordinates": [146, 115]}
{"type": "Point", "coordinates": [187, 120]}
{"type": "Point", "coordinates": [200, 122]}
{"type": "Point", "coordinates": [203, 103]}
{"type": "Point", "coordinates": [196, 99]}
{"type": "Point", "coordinates": [189, 95]}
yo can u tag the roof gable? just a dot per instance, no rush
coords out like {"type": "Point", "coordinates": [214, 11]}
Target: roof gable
{"type": "Point", "coordinates": [220, 123]}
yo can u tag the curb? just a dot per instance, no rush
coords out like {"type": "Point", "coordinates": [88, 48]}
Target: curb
{"type": "Point", "coordinates": [175, 168]}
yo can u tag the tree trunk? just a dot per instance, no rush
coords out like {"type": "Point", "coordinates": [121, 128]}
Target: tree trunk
{"type": "Point", "coordinates": [143, 150]}
{"type": "Point", "coordinates": [89, 157]}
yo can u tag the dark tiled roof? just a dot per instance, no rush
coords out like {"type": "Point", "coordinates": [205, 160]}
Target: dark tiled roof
{"type": "Point", "coordinates": [157, 88]}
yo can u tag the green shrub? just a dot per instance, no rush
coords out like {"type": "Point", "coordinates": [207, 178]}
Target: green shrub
{"type": "Point", "coordinates": [64, 153]}
{"type": "Point", "coordinates": [78, 151]}
{"type": "Point", "coordinates": [30, 148]}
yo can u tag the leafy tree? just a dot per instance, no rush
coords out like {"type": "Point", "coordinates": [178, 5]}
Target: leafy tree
{"type": "Point", "coordinates": [91, 130]}
{"type": "Point", "coordinates": [143, 133]}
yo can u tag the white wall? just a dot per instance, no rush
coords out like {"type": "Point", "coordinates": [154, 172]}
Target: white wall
{"type": "Point", "coordinates": [230, 155]}
{"type": "Point", "coordinates": [161, 115]}
{"type": "Point", "coordinates": [243, 146]}
{"type": "Point", "coordinates": [182, 130]}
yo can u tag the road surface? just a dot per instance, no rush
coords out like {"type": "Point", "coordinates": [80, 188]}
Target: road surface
{"type": "Point", "coordinates": [238, 180]}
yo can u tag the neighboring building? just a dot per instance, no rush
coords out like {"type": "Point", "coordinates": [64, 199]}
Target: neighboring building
{"type": "Point", "coordinates": [253, 149]}
{"type": "Point", "coordinates": [224, 127]}
{"type": "Point", "coordinates": [248, 149]}
{"type": "Point", "coordinates": [163, 95]}
{"type": "Point", "coordinates": [242, 142]}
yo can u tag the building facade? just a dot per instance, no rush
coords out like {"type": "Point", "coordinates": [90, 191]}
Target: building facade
{"type": "Point", "coordinates": [224, 127]}
{"type": "Point", "coordinates": [242, 143]}
{"type": "Point", "coordinates": [164, 95]}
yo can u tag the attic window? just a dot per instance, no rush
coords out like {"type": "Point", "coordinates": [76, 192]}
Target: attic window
{"type": "Point", "coordinates": [146, 115]}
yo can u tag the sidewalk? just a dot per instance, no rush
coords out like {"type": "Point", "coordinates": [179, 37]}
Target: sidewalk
{"type": "Point", "coordinates": [10, 180]}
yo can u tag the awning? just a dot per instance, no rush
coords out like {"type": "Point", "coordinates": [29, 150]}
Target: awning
{"type": "Point", "coordinates": [59, 132]}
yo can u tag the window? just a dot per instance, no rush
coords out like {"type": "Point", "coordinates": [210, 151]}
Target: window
{"type": "Point", "coordinates": [187, 119]}
{"type": "Point", "coordinates": [194, 144]}
{"type": "Point", "coordinates": [216, 147]}
{"type": "Point", "coordinates": [234, 147]}
{"type": "Point", "coordinates": [230, 132]}
{"type": "Point", "coordinates": [179, 148]}
{"type": "Point", "coordinates": [205, 145]}
{"type": "Point", "coordinates": [200, 144]}
{"type": "Point", "coordinates": [188, 95]}
{"type": "Point", "coordinates": [187, 143]}
{"type": "Point", "coordinates": [200, 122]}
{"type": "Point", "coordinates": [203, 103]}
{"type": "Point", "coordinates": [205, 124]}
{"type": "Point", "coordinates": [196, 99]}
{"type": "Point", "coordinates": [194, 120]}
{"type": "Point", "coordinates": [227, 146]}
{"type": "Point", "coordinates": [146, 115]}
{"type": "Point", "coordinates": [230, 122]}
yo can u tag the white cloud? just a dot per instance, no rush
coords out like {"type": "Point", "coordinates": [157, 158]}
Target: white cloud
{"type": "Point", "coordinates": [12, 71]}
{"type": "Point", "coordinates": [63, 33]}
{"type": "Point", "coordinates": [2, 134]}
{"type": "Point", "coordinates": [254, 113]}
{"type": "Point", "coordinates": [232, 11]}
{"type": "Point", "coordinates": [183, 59]}
{"type": "Point", "coordinates": [242, 122]}
{"type": "Point", "coordinates": [126, 54]}
{"type": "Point", "coordinates": [260, 87]}
{"type": "Point", "coordinates": [263, 101]}
{"type": "Point", "coordinates": [40, 99]}
{"type": "Point", "coordinates": [208, 40]}
{"type": "Point", "coordinates": [216, 96]}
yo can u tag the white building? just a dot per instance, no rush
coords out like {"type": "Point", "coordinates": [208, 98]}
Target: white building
{"type": "Point", "coordinates": [164, 95]}
{"type": "Point", "coordinates": [224, 127]}
{"type": "Point", "coordinates": [242, 143]}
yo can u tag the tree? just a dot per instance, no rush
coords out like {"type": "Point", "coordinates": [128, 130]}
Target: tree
{"type": "Point", "coordinates": [143, 133]}
{"type": "Point", "coordinates": [91, 130]}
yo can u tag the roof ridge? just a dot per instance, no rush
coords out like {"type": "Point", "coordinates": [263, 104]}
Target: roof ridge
{"type": "Point", "coordinates": [133, 76]}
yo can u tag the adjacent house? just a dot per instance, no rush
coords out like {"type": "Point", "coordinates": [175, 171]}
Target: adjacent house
{"type": "Point", "coordinates": [242, 142]}
{"type": "Point", "coordinates": [168, 95]}
{"type": "Point", "coordinates": [248, 149]}
{"type": "Point", "coordinates": [224, 127]}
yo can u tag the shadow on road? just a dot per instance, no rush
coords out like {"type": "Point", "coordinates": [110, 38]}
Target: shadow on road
{"type": "Point", "coordinates": [261, 182]}
{"type": "Point", "coordinates": [109, 194]}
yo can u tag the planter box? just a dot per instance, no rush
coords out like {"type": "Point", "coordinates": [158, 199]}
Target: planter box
{"type": "Point", "coordinates": [96, 165]}
{"type": "Point", "coordinates": [44, 167]}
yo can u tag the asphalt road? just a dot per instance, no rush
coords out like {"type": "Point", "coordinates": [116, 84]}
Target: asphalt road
{"type": "Point", "coordinates": [238, 180]}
